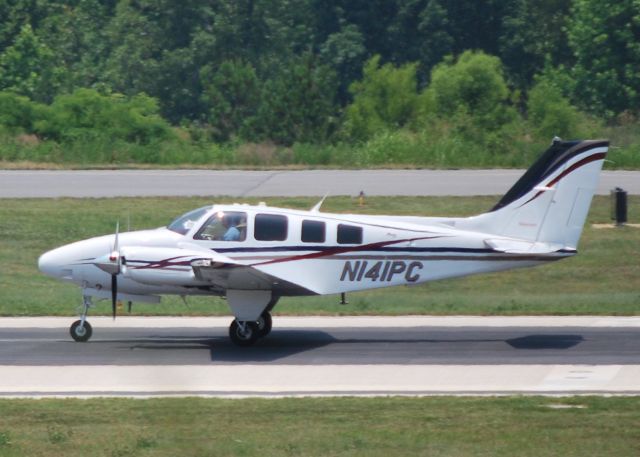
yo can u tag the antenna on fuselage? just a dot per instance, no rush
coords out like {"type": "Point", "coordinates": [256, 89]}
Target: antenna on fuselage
{"type": "Point", "coordinates": [316, 207]}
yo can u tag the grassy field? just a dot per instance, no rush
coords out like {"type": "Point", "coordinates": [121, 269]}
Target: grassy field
{"type": "Point", "coordinates": [603, 279]}
{"type": "Point", "coordinates": [441, 148]}
{"type": "Point", "coordinates": [440, 426]}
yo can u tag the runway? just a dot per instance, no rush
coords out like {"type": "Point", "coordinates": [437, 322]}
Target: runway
{"type": "Point", "coordinates": [323, 356]}
{"type": "Point", "coordinates": [272, 183]}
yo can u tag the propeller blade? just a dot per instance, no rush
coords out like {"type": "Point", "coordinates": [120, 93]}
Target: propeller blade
{"type": "Point", "coordinates": [115, 242]}
{"type": "Point", "coordinates": [114, 294]}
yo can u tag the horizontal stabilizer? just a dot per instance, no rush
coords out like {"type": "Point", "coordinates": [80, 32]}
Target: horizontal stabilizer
{"type": "Point", "coordinates": [512, 246]}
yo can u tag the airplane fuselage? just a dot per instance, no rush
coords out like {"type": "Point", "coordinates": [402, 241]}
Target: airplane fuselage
{"type": "Point", "coordinates": [253, 255]}
{"type": "Point", "coordinates": [340, 253]}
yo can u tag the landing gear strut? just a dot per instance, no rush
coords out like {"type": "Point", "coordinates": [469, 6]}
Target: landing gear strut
{"type": "Point", "coordinates": [81, 329]}
{"type": "Point", "coordinates": [246, 333]}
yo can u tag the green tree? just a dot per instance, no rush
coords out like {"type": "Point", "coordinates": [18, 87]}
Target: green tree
{"type": "Point", "coordinates": [86, 115]}
{"type": "Point", "coordinates": [17, 113]}
{"type": "Point", "coordinates": [232, 94]}
{"type": "Point", "coordinates": [475, 24]}
{"type": "Point", "coordinates": [385, 99]}
{"type": "Point", "coordinates": [297, 105]}
{"type": "Point", "coordinates": [76, 33]}
{"type": "Point", "coordinates": [15, 14]}
{"type": "Point", "coordinates": [534, 33]}
{"type": "Point", "coordinates": [604, 38]}
{"type": "Point", "coordinates": [551, 114]}
{"type": "Point", "coordinates": [434, 37]}
{"type": "Point", "coordinates": [422, 33]}
{"type": "Point", "coordinates": [136, 46]}
{"type": "Point", "coordinates": [373, 18]}
{"type": "Point", "coordinates": [474, 86]}
{"type": "Point", "coordinates": [178, 86]}
{"type": "Point", "coordinates": [345, 52]}
{"type": "Point", "coordinates": [27, 67]}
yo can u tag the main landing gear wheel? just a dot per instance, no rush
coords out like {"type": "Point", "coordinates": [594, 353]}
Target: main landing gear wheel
{"type": "Point", "coordinates": [264, 324]}
{"type": "Point", "coordinates": [79, 332]}
{"type": "Point", "coordinates": [244, 333]}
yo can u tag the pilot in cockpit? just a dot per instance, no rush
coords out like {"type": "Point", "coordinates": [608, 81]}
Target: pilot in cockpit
{"type": "Point", "coordinates": [235, 225]}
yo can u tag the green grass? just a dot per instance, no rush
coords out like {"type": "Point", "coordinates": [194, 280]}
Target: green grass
{"type": "Point", "coordinates": [400, 149]}
{"type": "Point", "coordinates": [438, 426]}
{"type": "Point", "coordinates": [603, 279]}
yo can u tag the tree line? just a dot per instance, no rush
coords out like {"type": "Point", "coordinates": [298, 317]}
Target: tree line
{"type": "Point", "coordinates": [314, 72]}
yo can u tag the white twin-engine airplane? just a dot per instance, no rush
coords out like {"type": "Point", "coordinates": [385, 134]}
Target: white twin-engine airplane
{"type": "Point", "coordinates": [253, 255]}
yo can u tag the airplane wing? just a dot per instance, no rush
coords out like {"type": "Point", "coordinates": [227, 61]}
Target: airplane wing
{"type": "Point", "coordinates": [192, 266]}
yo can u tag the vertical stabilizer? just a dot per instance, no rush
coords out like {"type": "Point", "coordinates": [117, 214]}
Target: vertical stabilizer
{"type": "Point", "coordinates": [550, 202]}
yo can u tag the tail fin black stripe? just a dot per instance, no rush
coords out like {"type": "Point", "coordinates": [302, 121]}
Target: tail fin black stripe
{"type": "Point", "coordinates": [553, 158]}
{"type": "Point", "coordinates": [574, 167]}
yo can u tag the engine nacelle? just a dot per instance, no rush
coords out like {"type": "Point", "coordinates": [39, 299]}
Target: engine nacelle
{"type": "Point", "coordinates": [165, 266]}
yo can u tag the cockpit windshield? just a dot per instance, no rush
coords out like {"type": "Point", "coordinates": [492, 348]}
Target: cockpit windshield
{"type": "Point", "coordinates": [185, 222]}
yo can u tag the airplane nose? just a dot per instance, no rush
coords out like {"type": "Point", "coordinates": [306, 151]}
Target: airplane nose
{"type": "Point", "coordinates": [49, 264]}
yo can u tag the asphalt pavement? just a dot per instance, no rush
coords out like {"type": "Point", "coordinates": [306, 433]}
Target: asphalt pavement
{"type": "Point", "coordinates": [238, 183]}
{"type": "Point", "coordinates": [333, 346]}
{"type": "Point", "coordinates": [323, 356]}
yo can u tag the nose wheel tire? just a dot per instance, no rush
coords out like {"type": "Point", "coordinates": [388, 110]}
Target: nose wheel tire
{"type": "Point", "coordinates": [245, 333]}
{"type": "Point", "coordinates": [264, 324]}
{"type": "Point", "coordinates": [79, 332]}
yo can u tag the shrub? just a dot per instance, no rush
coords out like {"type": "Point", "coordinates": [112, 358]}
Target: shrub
{"type": "Point", "coordinates": [550, 113]}
{"type": "Point", "coordinates": [86, 115]}
{"type": "Point", "coordinates": [473, 87]}
{"type": "Point", "coordinates": [385, 99]}
{"type": "Point", "coordinates": [17, 113]}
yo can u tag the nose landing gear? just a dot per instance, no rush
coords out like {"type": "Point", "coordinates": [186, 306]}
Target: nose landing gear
{"type": "Point", "coordinates": [81, 330]}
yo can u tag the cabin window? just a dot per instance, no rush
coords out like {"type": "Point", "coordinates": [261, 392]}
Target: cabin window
{"type": "Point", "coordinates": [224, 226]}
{"type": "Point", "coordinates": [313, 232]}
{"type": "Point", "coordinates": [186, 222]}
{"type": "Point", "coordinates": [349, 234]}
{"type": "Point", "coordinates": [270, 227]}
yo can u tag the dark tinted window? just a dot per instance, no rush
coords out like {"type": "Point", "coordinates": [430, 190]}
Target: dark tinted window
{"type": "Point", "coordinates": [348, 234]}
{"type": "Point", "coordinates": [270, 227]}
{"type": "Point", "coordinates": [313, 232]}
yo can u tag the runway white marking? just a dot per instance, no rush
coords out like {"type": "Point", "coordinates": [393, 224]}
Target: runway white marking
{"type": "Point", "coordinates": [283, 380]}
{"type": "Point", "coordinates": [267, 380]}
{"type": "Point", "coordinates": [587, 377]}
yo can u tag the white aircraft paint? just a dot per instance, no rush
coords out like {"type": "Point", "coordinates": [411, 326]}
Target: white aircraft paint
{"type": "Point", "coordinates": [253, 255]}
